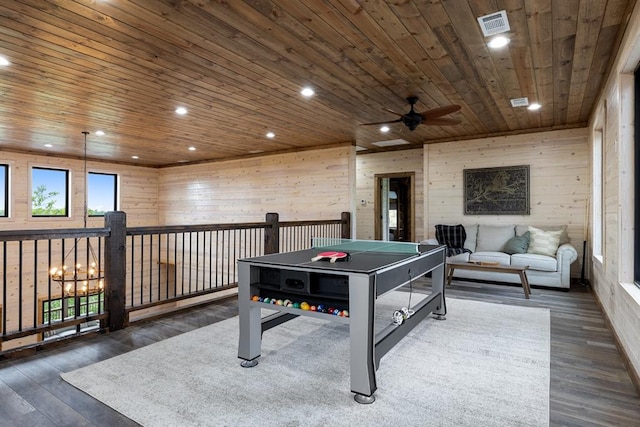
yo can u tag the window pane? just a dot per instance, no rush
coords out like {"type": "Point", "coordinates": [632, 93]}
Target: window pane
{"type": "Point", "coordinates": [4, 190]}
{"type": "Point", "coordinates": [102, 193]}
{"type": "Point", "coordinates": [49, 192]}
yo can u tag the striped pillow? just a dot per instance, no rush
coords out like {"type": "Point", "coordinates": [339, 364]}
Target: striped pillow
{"type": "Point", "coordinates": [543, 242]}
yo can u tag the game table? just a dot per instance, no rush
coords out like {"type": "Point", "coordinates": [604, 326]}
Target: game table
{"type": "Point", "coordinates": [339, 290]}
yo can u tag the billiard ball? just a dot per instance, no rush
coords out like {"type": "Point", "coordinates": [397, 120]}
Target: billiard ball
{"type": "Point", "coordinates": [266, 300]}
{"type": "Point", "coordinates": [287, 303]}
{"type": "Point", "coordinates": [320, 307]}
{"type": "Point", "coordinates": [345, 313]}
{"type": "Point", "coordinates": [312, 308]}
{"type": "Point", "coordinates": [296, 305]}
{"type": "Point", "coordinates": [279, 302]}
{"type": "Point", "coordinates": [255, 298]}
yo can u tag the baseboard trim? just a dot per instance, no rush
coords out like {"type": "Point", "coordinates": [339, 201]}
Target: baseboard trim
{"type": "Point", "coordinates": [635, 376]}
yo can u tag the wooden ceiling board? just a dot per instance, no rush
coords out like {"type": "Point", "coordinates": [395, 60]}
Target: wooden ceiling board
{"type": "Point", "coordinates": [238, 67]}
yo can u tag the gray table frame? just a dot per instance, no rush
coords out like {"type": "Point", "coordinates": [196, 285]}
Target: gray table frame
{"type": "Point", "coordinates": [366, 347]}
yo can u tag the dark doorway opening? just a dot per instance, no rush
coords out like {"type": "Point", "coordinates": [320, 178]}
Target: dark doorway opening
{"type": "Point", "coordinates": [394, 210]}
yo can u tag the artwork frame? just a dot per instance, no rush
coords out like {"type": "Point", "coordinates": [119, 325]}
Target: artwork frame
{"type": "Point", "coordinates": [497, 191]}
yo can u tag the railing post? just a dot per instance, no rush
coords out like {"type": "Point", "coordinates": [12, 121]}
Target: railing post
{"type": "Point", "coordinates": [115, 268]}
{"type": "Point", "coordinates": [346, 225]}
{"type": "Point", "coordinates": [272, 234]}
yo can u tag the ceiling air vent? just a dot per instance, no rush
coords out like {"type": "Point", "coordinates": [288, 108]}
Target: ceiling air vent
{"type": "Point", "coordinates": [494, 23]}
{"type": "Point", "coordinates": [520, 102]}
{"type": "Point", "coordinates": [390, 143]}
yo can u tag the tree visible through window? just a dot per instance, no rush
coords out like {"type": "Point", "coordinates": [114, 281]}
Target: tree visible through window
{"type": "Point", "coordinates": [102, 194]}
{"type": "Point", "coordinates": [4, 190]}
{"type": "Point", "coordinates": [49, 195]}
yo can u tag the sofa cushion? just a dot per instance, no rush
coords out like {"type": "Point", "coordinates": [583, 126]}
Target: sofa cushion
{"type": "Point", "coordinates": [464, 257]}
{"type": "Point", "coordinates": [489, 256]}
{"type": "Point", "coordinates": [491, 238]}
{"type": "Point", "coordinates": [517, 244]}
{"type": "Point", "coordinates": [543, 242]}
{"type": "Point", "coordinates": [564, 237]}
{"type": "Point", "coordinates": [535, 262]}
{"type": "Point", "coordinates": [472, 236]}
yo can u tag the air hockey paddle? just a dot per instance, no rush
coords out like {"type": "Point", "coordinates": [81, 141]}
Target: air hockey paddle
{"type": "Point", "coordinates": [332, 256]}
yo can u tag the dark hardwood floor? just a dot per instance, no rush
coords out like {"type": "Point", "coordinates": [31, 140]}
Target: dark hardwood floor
{"type": "Point", "coordinates": [589, 383]}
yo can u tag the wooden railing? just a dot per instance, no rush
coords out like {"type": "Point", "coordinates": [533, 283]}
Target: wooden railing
{"type": "Point", "coordinates": [144, 270]}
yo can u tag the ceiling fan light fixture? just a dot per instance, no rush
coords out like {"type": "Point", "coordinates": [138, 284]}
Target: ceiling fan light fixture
{"type": "Point", "coordinates": [385, 129]}
{"type": "Point", "coordinates": [181, 111]}
{"type": "Point", "coordinates": [4, 61]}
{"type": "Point", "coordinates": [535, 106]}
{"type": "Point", "coordinates": [270, 135]}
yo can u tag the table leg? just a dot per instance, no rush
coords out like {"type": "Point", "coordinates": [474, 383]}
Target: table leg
{"type": "Point", "coordinates": [362, 298]}
{"type": "Point", "coordinates": [450, 269]}
{"type": "Point", "coordinates": [437, 286]}
{"type": "Point", "coordinates": [525, 284]}
{"type": "Point", "coordinates": [250, 340]}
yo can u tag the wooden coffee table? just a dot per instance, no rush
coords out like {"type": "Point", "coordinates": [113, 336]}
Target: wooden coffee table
{"type": "Point", "coordinates": [493, 268]}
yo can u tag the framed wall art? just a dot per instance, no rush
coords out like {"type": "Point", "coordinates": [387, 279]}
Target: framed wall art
{"type": "Point", "coordinates": [497, 191]}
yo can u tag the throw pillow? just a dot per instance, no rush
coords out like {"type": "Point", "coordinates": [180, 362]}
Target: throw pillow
{"type": "Point", "coordinates": [517, 244]}
{"type": "Point", "coordinates": [543, 242]}
{"type": "Point", "coordinates": [453, 236]}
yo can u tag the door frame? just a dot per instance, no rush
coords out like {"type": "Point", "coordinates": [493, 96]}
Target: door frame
{"type": "Point", "coordinates": [410, 203]}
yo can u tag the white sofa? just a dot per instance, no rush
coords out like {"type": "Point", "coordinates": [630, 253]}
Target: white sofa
{"type": "Point", "coordinates": [487, 242]}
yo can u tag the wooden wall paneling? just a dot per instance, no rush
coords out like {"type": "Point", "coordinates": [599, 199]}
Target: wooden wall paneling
{"type": "Point", "coordinates": [299, 186]}
{"type": "Point", "coordinates": [560, 180]}
{"type": "Point", "coordinates": [370, 165]}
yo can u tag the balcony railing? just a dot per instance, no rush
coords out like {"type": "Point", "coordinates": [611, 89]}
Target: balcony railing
{"type": "Point", "coordinates": [61, 283]}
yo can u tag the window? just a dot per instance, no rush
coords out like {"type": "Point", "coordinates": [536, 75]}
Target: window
{"type": "Point", "coordinates": [636, 161]}
{"type": "Point", "coordinates": [102, 193]}
{"type": "Point", "coordinates": [49, 192]}
{"type": "Point", "coordinates": [4, 191]}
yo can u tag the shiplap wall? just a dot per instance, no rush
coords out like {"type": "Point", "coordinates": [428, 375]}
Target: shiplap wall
{"type": "Point", "coordinates": [370, 165]}
{"type": "Point", "coordinates": [559, 182]}
{"type": "Point", "coordinates": [612, 279]}
{"type": "Point", "coordinates": [138, 192]}
{"type": "Point", "coordinates": [308, 185]}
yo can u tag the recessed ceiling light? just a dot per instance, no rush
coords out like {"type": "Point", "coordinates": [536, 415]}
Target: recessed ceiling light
{"type": "Point", "coordinates": [384, 129]}
{"type": "Point", "coordinates": [535, 106]}
{"type": "Point", "coordinates": [4, 61]}
{"type": "Point", "coordinates": [99, 133]}
{"type": "Point", "coordinates": [135, 157]}
{"type": "Point", "coordinates": [271, 135]}
{"type": "Point", "coordinates": [307, 91]}
{"type": "Point", "coordinates": [48, 145]}
{"type": "Point", "coordinates": [181, 110]}
{"type": "Point", "coordinates": [192, 148]}
{"type": "Point", "coordinates": [498, 42]}
{"type": "Point", "coordinates": [256, 151]}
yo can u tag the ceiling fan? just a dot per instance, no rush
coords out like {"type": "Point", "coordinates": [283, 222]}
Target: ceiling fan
{"type": "Point", "coordinates": [431, 117]}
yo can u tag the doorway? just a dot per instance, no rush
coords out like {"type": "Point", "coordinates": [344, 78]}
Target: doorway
{"type": "Point", "coordinates": [394, 210]}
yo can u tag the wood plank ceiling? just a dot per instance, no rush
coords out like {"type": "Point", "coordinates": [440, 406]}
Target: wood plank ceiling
{"type": "Point", "coordinates": [238, 67]}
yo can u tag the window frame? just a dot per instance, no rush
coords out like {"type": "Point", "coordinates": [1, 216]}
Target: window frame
{"type": "Point", "coordinates": [67, 195]}
{"type": "Point", "coordinates": [115, 192]}
{"type": "Point", "coordinates": [5, 201]}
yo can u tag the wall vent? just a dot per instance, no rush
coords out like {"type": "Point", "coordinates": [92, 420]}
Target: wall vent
{"type": "Point", "coordinates": [520, 102]}
{"type": "Point", "coordinates": [390, 143]}
{"type": "Point", "coordinates": [494, 23]}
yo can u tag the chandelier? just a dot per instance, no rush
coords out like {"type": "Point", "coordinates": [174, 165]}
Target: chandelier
{"type": "Point", "coordinates": [80, 280]}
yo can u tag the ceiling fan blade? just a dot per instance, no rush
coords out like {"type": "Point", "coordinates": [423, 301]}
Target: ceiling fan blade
{"type": "Point", "coordinates": [444, 121]}
{"type": "Point", "coordinates": [437, 112]}
{"type": "Point", "coordinates": [393, 112]}
{"type": "Point", "coordinates": [381, 123]}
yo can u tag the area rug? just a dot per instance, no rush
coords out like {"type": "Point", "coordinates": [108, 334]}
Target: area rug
{"type": "Point", "coordinates": [486, 365]}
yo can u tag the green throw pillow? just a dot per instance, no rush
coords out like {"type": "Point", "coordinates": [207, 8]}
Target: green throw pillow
{"type": "Point", "coordinates": [517, 244]}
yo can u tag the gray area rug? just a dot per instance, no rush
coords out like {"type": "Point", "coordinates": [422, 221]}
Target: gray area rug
{"type": "Point", "coordinates": [486, 365]}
